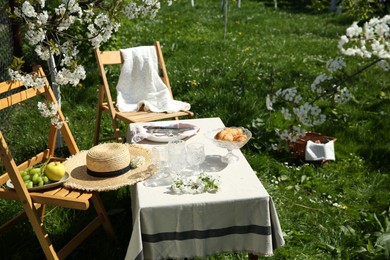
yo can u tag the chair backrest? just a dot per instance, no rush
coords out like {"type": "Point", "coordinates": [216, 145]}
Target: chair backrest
{"type": "Point", "coordinates": [115, 58]}
{"type": "Point", "coordinates": [14, 92]}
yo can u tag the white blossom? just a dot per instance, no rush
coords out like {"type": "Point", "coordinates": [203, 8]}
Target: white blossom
{"type": "Point", "coordinates": [66, 23]}
{"type": "Point", "coordinates": [69, 52]}
{"type": "Point", "coordinates": [42, 3]}
{"type": "Point", "coordinates": [101, 30]}
{"type": "Point", "coordinates": [268, 103]}
{"type": "Point", "coordinates": [283, 135]}
{"type": "Point", "coordinates": [137, 161]}
{"type": "Point", "coordinates": [74, 7]}
{"type": "Point", "coordinates": [297, 99]}
{"type": "Point", "coordinates": [309, 115]}
{"type": "Point", "coordinates": [384, 65]}
{"type": "Point", "coordinates": [291, 135]}
{"type": "Point", "coordinates": [367, 41]}
{"type": "Point", "coordinates": [343, 95]}
{"type": "Point", "coordinates": [354, 30]}
{"type": "Point", "coordinates": [60, 10]}
{"type": "Point", "coordinates": [35, 36]}
{"type": "Point", "coordinates": [28, 80]}
{"type": "Point", "coordinates": [51, 110]}
{"type": "Point", "coordinates": [28, 10]}
{"type": "Point", "coordinates": [315, 86]}
{"type": "Point", "coordinates": [66, 76]}
{"type": "Point", "coordinates": [286, 113]}
{"type": "Point", "coordinates": [42, 18]}
{"type": "Point", "coordinates": [335, 64]}
{"type": "Point", "coordinates": [148, 8]}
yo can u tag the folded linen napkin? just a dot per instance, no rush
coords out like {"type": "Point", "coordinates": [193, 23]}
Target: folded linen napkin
{"type": "Point", "coordinates": [139, 131]}
{"type": "Point", "coordinates": [318, 152]}
{"type": "Point", "coordinates": [140, 84]}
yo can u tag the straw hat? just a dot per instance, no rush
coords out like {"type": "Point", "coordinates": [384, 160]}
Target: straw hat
{"type": "Point", "coordinates": [108, 166]}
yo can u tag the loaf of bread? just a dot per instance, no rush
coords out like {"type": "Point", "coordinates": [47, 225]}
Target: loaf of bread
{"type": "Point", "coordinates": [231, 135]}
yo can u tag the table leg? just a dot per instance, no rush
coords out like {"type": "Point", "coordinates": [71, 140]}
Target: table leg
{"type": "Point", "coordinates": [252, 257]}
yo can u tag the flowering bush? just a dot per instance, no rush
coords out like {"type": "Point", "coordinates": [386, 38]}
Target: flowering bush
{"type": "Point", "coordinates": [301, 111]}
{"type": "Point", "coordinates": [53, 31]}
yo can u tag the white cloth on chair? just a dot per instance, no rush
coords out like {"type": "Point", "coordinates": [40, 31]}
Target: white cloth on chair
{"type": "Point", "coordinates": [140, 84]}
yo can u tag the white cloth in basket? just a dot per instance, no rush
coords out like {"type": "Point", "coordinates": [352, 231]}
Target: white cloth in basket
{"type": "Point", "coordinates": [318, 152]}
{"type": "Point", "coordinates": [140, 84]}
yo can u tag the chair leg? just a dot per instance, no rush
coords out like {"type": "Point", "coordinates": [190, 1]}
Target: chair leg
{"type": "Point", "coordinates": [41, 208]}
{"type": "Point", "coordinates": [97, 125]}
{"type": "Point", "coordinates": [100, 219]}
{"type": "Point", "coordinates": [41, 233]}
{"type": "Point", "coordinates": [101, 211]}
{"type": "Point", "coordinates": [37, 225]}
{"type": "Point", "coordinates": [79, 238]}
{"type": "Point", "coordinates": [117, 131]}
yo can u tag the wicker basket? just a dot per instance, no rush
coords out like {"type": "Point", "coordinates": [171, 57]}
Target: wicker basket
{"type": "Point", "coordinates": [298, 148]}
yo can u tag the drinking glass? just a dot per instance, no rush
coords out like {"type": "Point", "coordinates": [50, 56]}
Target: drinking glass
{"type": "Point", "coordinates": [195, 156]}
{"type": "Point", "coordinates": [160, 160]}
{"type": "Point", "coordinates": [177, 157]}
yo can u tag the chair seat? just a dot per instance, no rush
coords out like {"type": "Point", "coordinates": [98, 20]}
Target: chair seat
{"type": "Point", "coordinates": [145, 116]}
{"type": "Point", "coordinates": [63, 197]}
{"type": "Point", "coordinates": [59, 196]}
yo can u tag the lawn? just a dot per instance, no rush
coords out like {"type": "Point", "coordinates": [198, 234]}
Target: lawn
{"type": "Point", "coordinates": [340, 210]}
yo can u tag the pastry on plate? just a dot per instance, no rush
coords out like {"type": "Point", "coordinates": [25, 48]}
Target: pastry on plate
{"type": "Point", "coordinates": [231, 134]}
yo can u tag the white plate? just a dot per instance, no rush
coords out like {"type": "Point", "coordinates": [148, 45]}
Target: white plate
{"type": "Point", "coordinates": [165, 138]}
{"type": "Point", "coordinates": [45, 186]}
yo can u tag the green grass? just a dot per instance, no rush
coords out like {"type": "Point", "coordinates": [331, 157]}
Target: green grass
{"type": "Point", "coordinates": [337, 211]}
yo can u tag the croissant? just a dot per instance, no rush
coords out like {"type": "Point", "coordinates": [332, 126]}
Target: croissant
{"type": "Point", "coordinates": [231, 135]}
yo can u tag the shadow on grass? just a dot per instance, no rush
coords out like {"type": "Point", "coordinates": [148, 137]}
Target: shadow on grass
{"type": "Point", "coordinates": [64, 224]}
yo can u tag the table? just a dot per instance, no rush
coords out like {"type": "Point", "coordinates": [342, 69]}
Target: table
{"type": "Point", "coordinates": [240, 217]}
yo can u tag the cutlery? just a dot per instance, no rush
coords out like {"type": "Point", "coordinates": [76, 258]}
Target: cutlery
{"type": "Point", "coordinates": [170, 130]}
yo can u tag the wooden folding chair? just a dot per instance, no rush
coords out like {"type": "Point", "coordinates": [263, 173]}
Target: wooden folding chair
{"type": "Point", "coordinates": [106, 103]}
{"type": "Point", "coordinates": [34, 202]}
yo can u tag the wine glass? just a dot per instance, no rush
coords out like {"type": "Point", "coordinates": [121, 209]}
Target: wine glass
{"type": "Point", "coordinates": [230, 157]}
{"type": "Point", "coordinates": [177, 157]}
{"type": "Point", "coordinates": [195, 156]}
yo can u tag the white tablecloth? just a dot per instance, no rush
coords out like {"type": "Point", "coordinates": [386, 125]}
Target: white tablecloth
{"type": "Point", "coordinates": [241, 217]}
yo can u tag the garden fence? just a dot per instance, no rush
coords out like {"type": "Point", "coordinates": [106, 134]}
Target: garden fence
{"type": "Point", "coordinates": [6, 52]}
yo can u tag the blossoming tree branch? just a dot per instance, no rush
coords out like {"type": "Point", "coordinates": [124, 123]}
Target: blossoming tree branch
{"type": "Point", "coordinates": [370, 42]}
{"type": "Point", "coordinates": [51, 31]}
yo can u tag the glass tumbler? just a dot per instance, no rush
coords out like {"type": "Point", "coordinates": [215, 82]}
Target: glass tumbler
{"type": "Point", "coordinates": [177, 160]}
{"type": "Point", "coordinates": [195, 156]}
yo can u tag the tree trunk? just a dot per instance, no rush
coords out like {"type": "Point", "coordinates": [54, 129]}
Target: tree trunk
{"type": "Point", "coordinates": [16, 34]}
{"type": "Point", "coordinates": [333, 5]}
{"type": "Point", "coordinates": [57, 92]}
{"type": "Point", "coordinates": [224, 5]}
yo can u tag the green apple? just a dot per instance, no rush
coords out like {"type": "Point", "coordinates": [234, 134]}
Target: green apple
{"type": "Point", "coordinates": [54, 171]}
